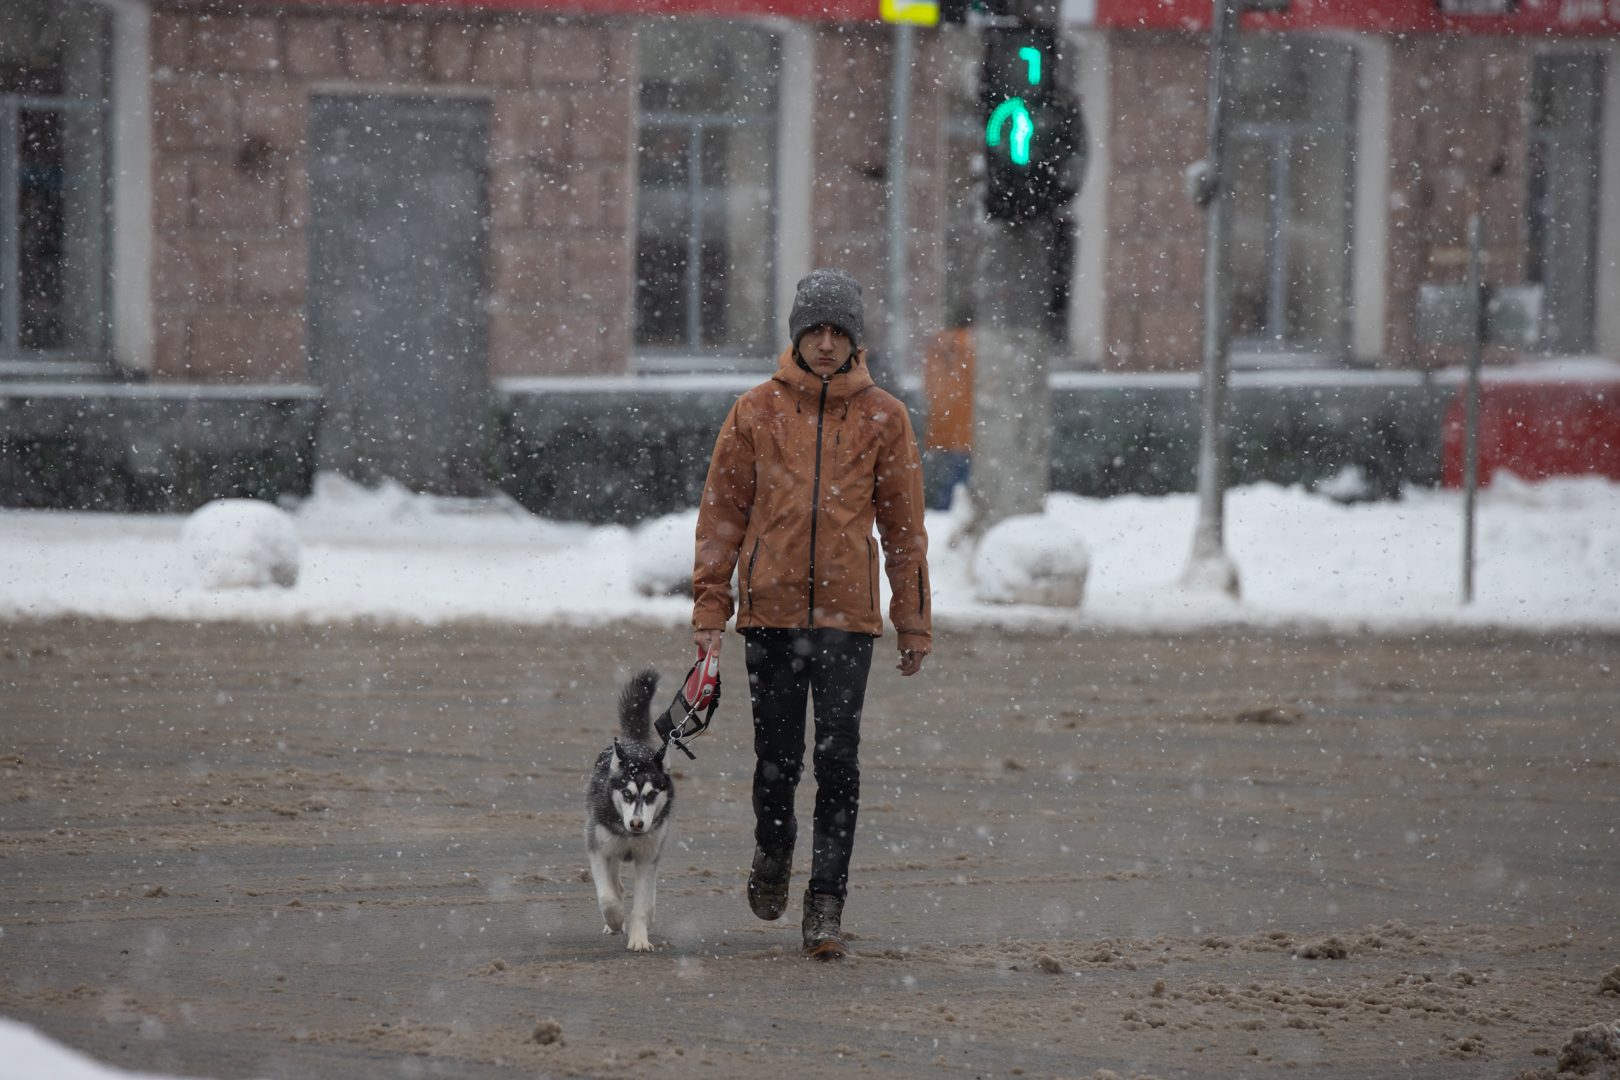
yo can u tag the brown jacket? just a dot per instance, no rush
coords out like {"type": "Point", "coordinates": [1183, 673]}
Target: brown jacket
{"type": "Point", "coordinates": [802, 470]}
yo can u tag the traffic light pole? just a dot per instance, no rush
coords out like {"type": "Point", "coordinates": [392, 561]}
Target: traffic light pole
{"type": "Point", "coordinates": [1034, 147]}
{"type": "Point", "coordinates": [1209, 567]}
{"type": "Point", "coordinates": [1012, 395]}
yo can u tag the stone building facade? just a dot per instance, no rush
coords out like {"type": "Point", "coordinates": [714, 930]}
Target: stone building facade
{"type": "Point", "coordinates": [227, 241]}
{"type": "Point", "coordinates": [647, 205]}
{"type": "Point", "coordinates": [231, 190]}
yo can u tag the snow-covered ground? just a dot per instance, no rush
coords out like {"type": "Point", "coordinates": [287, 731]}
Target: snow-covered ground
{"type": "Point", "coordinates": [25, 1054]}
{"type": "Point", "coordinates": [1548, 557]}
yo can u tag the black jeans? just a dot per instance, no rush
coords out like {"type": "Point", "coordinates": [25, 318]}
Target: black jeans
{"type": "Point", "coordinates": [783, 666]}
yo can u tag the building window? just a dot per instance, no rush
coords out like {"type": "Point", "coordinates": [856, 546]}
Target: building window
{"type": "Point", "coordinates": [1291, 173]}
{"type": "Point", "coordinates": [54, 150]}
{"type": "Point", "coordinates": [705, 228]}
{"type": "Point", "coordinates": [1565, 101]}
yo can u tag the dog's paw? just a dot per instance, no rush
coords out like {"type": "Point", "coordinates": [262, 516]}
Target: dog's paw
{"type": "Point", "coordinates": [614, 917]}
{"type": "Point", "coordinates": [638, 942]}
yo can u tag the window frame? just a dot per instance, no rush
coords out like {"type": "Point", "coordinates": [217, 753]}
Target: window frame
{"type": "Point", "coordinates": [1279, 136]}
{"type": "Point", "coordinates": [66, 361]}
{"type": "Point", "coordinates": [1550, 140]}
{"type": "Point", "coordinates": [692, 356]}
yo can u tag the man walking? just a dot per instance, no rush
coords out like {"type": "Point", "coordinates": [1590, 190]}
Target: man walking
{"type": "Point", "coordinates": [805, 465]}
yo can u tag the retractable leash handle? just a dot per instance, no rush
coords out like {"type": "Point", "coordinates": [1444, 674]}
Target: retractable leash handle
{"type": "Point", "coordinates": [703, 681]}
{"type": "Point", "coordinates": [681, 722]}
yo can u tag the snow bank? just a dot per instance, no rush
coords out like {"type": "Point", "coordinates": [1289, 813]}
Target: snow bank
{"type": "Point", "coordinates": [1304, 559]}
{"type": "Point", "coordinates": [241, 543]}
{"type": "Point", "coordinates": [382, 555]}
{"type": "Point", "coordinates": [1548, 558]}
{"type": "Point", "coordinates": [340, 511]}
{"type": "Point", "coordinates": [25, 1054]}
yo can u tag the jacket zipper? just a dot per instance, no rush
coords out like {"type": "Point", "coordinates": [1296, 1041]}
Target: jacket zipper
{"type": "Point", "coordinates": [815, 503]}
{"type": "Point", "coordinates": [922, 593]}
{"type": "Point", "coordinates": [871, 576]}
{"type": "Point", "coordinates": [750, 583]}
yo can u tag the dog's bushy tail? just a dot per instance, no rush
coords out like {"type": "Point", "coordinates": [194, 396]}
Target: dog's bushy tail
{"type": "Point", "coordinates": [635, 707]}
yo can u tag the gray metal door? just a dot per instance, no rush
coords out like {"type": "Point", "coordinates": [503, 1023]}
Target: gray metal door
{"type": "Point", "coordinates": [396, 285]}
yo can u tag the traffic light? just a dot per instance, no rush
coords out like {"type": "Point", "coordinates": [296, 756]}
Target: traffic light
{"type": "Point", "coordinates": [1034, 136]}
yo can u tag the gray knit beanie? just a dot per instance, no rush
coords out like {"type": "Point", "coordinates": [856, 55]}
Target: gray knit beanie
{"type": "Point", "coordinates": [831, 298]}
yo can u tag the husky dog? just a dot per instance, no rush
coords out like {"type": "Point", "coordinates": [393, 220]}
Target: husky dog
{"type": "Point", "coordinates": [627, 809]}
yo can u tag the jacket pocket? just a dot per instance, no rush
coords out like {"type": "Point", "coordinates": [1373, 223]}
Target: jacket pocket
{"type": "Point", "coordinates": [922, 591]}
{"type": "Point", "coordinates": [748, 584]}
{"type": "Point", "coordinates": [871, 575]}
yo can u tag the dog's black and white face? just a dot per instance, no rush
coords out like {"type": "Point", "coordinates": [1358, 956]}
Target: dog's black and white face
{"type": "Point", "coordinates": [639, 788]}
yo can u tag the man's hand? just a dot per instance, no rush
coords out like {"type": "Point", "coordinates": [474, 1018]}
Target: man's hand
{"type": "Point", "coordinates": [706, 640]}
{"type": "Point", "coordinates": [910, 662]}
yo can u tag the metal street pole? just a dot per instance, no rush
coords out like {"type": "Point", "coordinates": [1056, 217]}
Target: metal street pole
{"type": "Point", "coordinates": [1475, 315]}
{"type": "Point", "coordinates": [899, 329]}
{"type": "Point", "coordinates": [1208, 567]}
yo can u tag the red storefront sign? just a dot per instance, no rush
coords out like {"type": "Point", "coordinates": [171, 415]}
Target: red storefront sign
{"type": "Point", "coordinates": [1532, 17]}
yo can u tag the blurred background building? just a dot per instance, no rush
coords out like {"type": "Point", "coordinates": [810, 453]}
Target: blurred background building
{"type": "Point", "coordinates": [380, 237]}
{"type": "Point", "coordinates": [1359, 128]}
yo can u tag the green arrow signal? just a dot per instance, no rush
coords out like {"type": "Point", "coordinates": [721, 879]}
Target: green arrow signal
{"type": "Point", "coordinates": [1032, 57]}
{"type": "Point", "coordinates": [1022, 129]}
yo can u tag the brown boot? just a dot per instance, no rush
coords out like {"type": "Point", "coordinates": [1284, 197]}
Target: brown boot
{"type": "Point", "coordinates": [823, 937]}
{"type": "Point", "coordinates": [768, 882]}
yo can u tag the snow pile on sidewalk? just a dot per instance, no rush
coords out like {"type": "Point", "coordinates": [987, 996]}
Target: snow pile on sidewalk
{"type": "Point", "coordinates": [28, 1055]}
{"type": "Point", "coordinates": [1035, 558]}
{"type": "Point", "coordinates": [241, 543]}
{"type": "Point", "coordinates": [1548, 557]}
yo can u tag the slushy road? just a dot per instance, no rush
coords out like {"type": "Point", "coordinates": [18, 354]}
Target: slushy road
{"type": "Point", "coordinates": [238, 851]}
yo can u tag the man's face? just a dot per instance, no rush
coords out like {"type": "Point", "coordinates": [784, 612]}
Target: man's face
{"type": "Point", "coordinates": [825, 349]}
